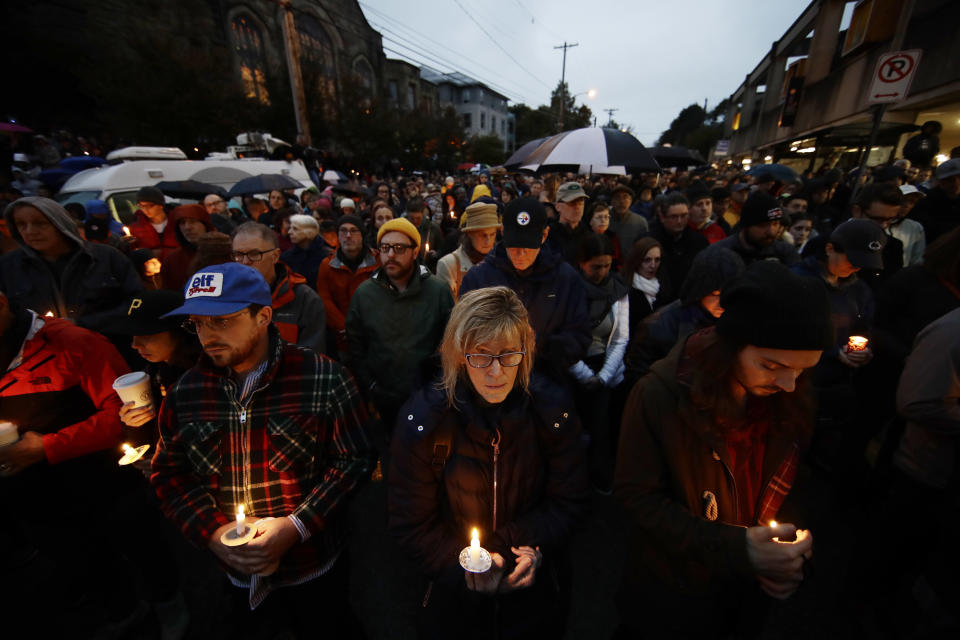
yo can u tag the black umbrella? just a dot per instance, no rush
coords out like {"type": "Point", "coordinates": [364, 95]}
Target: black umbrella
{"type": "Point", "coordinates": [521, 154]}
{"type": "Point", "coordinates": [779, 172]}
{"type": "Point", "coordinates": [676, 156]}
{"type": "Point", "coordinates": [190, 189]}
{"type": "Point", "coordinates": [263, 184]}
{"type": "Point", "coordinates": [591, 150]}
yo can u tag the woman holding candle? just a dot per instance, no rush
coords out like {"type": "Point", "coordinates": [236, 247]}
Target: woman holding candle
{"type": "Point", "coordinates": [495, 447]}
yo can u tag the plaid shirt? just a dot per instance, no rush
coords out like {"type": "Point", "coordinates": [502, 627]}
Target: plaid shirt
{"type": "Point", "coordinates": [296, 447]}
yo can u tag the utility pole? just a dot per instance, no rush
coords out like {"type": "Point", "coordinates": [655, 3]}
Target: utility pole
{"type": "Point", "coordinates": [292, 47]}
{"type": "Point", "coordinates": [563, 88]}
{"type": "Point", "coordinates": [610, 113]}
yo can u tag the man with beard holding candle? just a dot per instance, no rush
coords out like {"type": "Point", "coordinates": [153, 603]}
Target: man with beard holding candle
{"type": "Point", "coordinates": [709, 449]}
{"type": "Point", "coordinates": [272, 427]}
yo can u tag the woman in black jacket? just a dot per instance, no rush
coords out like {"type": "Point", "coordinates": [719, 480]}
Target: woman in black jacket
{"type": "Point", "coordinates": [494, 447]}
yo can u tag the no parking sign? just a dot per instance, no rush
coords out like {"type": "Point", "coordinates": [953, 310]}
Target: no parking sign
{"type": "Point", "coordinates": [895, 71]}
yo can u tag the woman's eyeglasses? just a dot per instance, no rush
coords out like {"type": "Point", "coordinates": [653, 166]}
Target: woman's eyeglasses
{"type": "Point", "coordinates": [484, 360]}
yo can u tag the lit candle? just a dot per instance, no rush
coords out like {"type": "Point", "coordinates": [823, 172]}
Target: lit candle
{"type": "Point", "coordinates": [48, 314]}
{"type": "Point", "coordinates": [241, 521]}
{"type": "Point", "coordinates": [427, 248]}
{"type": "Point", "coordinates": [126, 230]}
{"type": "Point", "coordinates": [475, 548]}
{"type": "Point", "coordinates": [128, 450]}
{"type": "Point", "coordinates": [857, 343]}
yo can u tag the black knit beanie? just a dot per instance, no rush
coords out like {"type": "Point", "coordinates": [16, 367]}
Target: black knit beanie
{"type": "Point", "coordinates": [712, 270]}
{"type": "Point", "coordinates": [771, 307]}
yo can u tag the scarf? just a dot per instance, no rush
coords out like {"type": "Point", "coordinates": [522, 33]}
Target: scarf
{"type": "Point", "coordinates": [650, 287]}
{"type": "Point", "coordinates": [600, 297]}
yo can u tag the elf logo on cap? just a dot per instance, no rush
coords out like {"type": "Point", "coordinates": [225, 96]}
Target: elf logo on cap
{"type": "Point", "coordinates": [875, 245]}
{"type": "Point", "coordinates": [206, 284]}
{"type": "Point", "coordinates": [523, 218]}
{"type": "Point", "coordinates": [774, 214]}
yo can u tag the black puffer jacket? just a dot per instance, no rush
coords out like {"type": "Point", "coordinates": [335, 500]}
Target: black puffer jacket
{"type": "Point", "coordinates": [515, 471]}
{"type": "Point", "coordinates": [541, 482]}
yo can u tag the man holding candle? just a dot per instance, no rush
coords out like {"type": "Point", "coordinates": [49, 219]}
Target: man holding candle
{"type": "Point", "coordinates": [60, 486]}
{"type": "Point", "coordinates": [271, 426]}
{"type": "Point", "coordinates": [709, 449]}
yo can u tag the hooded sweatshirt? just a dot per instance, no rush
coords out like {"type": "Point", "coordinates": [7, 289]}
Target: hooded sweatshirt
{"type": "Point", "coordinates": [176, 268]}
{"type": "Point", "coordinates": [89, 285]}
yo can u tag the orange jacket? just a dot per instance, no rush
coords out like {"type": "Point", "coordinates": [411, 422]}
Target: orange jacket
{"type": "Point", "coordinates": [336, 284]}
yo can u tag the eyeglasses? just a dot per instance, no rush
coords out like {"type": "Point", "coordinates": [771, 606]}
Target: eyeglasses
{"type": "Point", "coordinates": [214, 323]}
{"type": "Point", "coordinates": [484, 360]}
{"type": "Point", "coordinates": [252, 256]}
{"type": "Point", "coordinates": [398, 249]}
{"type": "Point", "coordinates": [349, 232]}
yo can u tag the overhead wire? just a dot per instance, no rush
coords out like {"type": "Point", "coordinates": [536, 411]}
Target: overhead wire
{"type": "Point", "coordinates": [499, 46]}
{"type": "Point", "coordinates": [382, 17]}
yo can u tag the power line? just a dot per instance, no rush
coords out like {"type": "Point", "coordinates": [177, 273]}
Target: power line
{"type": "Point", "coordinates": [435, 58]}
{"type": "Point", "coordinates": [505, 52]}
{"type": "Point", "coordinates": [381, 16]}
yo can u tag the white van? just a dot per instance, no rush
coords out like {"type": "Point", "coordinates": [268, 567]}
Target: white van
{"type": "Point", "coordinates": [118, 184]}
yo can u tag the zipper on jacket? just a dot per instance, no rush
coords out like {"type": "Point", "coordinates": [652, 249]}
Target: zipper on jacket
{"type": "Point", "coordinates": [733, 481]}
{"type": "Point", "coordinates": [495, 443]}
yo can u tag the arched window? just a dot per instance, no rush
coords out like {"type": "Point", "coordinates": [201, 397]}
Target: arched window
{"type": "Point", "coordinates": [249, 47]}
{"type": "Point", "coordinates": [364, 73]}
{"type": "Point", "coordinates": [316, 56]}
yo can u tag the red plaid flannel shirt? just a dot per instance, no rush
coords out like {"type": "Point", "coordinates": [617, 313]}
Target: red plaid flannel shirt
{"type": "Point", "coordinates": [298, 447]}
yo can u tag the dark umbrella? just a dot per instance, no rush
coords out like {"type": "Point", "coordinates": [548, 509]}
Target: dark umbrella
{"type": "Point", "coordinates": [263, 184]}
{"type": "Point", "coordinates": [190, 189]}
{"type": "Point", "coordinates": [521, 154]}
{"type": "Point", "coordinates": [13, 127]}
{"type": "Point", "coordinates": [676, 156]}
{"type": "Point", "coordinates": [591, 150]}
{"type": "Point", "coordinates": [779, 172]}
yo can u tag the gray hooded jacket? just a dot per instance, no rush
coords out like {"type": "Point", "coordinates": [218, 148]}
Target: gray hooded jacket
{"type": "Point", "coordinates": [95, 281]}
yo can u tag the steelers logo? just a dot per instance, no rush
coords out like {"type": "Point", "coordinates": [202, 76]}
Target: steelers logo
{"type": "Point", "coordinates": [523, 218]}
{"type": "Point", "coordinates": [875, 245]}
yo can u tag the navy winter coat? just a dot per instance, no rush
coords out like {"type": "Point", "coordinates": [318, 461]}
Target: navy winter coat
{"type": "Point", "coordinates": [554, 297]}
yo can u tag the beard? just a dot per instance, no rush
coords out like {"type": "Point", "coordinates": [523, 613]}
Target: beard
{"type": "Point", "coordinates": [227, 355]}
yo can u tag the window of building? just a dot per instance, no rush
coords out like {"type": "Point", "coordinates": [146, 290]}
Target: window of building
{"type": "Point", "coordinates": [466, 95]}
{"type": "Point", "coordinates": [316, 56]}
{"type": "Point", "coordinates": [467, 120]}
{"type": "Point", "coordinates": [393, 91]}
{"type": "Point", "coordinates": [364, 74]}
{"type": "Point", "coordinates": [493, 124]}
{"type": "Point", "coordinates": [503, 127]}
{"type": "Point", "coordinates": [411, 96]}
{"type": "Point", "coordinates": [249, 47]}
{"type": "Point", "coordinates": [483, 120]}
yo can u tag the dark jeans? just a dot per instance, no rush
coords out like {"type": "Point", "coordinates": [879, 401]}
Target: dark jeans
{"type": "Point", "coordinates": [318, 608]}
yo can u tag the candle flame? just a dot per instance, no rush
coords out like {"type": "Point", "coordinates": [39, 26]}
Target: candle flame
{"type": "Point", "coordinates": [475, 538]}
{"type": "Point", "coordinates": [239, 511]}
{"type": "Point", "coordinates": [127, 449]}
{"type": "Point", "coordinates": [773, 523]}
{"type": "Point", "coordinates": [48, 314]}
{"type": "Point", "coordinates": [428, 248]}
{"type": "Point", "coordinates": [126, 230]}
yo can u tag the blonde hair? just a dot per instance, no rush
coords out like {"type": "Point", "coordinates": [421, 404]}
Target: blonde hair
{"type": "Point", "coordinates": [480, 317]}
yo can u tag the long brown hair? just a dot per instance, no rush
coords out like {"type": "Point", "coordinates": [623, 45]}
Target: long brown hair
{"type": "Point", "coordinates": [641, 247]}
{"type": "Point", "coordinates": [710, 390]}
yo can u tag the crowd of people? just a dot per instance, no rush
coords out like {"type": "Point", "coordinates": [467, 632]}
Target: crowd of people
{"type": "Point", "coordinates": [499, 350]}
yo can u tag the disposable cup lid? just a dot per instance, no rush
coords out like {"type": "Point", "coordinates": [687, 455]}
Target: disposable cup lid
{"type": "Point", "coordinates": [130, 379]}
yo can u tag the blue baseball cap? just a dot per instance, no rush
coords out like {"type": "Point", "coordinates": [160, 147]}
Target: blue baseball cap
{"type": "Point", "coordinates": [223, 289]}
{"type": "Point", "coordinates": [97, 208]}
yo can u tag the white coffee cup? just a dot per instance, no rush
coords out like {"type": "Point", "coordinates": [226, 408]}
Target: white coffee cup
{"type": "Point", "coordinates": [134, 387]}
{"type": "Point", "coordinates": [8, 433]}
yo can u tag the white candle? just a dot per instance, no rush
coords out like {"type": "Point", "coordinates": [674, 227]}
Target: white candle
{"type": "Point", "coordinates": [241, 521]}
{"type": "Point", "coordinates": [475, 548]}
{"type": "Point", "coordinates": [126, 230]}
{"type": "Point", "coordinates": [8, 433]}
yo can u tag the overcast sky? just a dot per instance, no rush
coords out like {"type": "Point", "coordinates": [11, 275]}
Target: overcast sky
{"type": "Point", "coordinates": [648, 59]}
